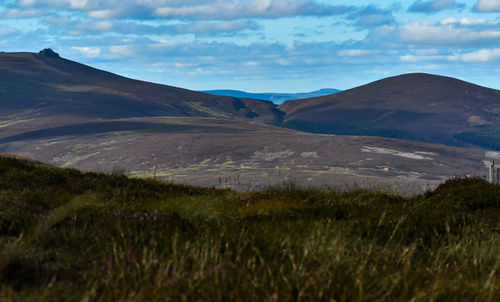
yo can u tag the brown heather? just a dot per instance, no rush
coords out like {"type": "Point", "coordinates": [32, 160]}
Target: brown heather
{"type": "Point", "coordinates": [73, 236]}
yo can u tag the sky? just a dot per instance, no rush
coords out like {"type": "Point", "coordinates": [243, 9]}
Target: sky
{"type": "Point", "coordinates": [263, 45]}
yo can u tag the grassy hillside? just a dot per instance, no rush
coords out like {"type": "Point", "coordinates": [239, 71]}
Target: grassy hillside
{"type": "Point", "coordinates": [415, 106]}
{"type": "Point", "coordinates": [46, 85]}
{"type": "Point", "coordinates": [87, 236]}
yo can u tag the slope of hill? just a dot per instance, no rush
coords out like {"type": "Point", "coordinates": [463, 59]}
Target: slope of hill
{"type": "Point", "coordinates": [68, 114]}
{"type": "Point", "coordinates": [276, 98]}
{"type": "Point", "coordinates": [414, 106]}
{"type": "Point", "coordinates": [45, 84]}
{"type": "Point", "coordinates": [72, 236]}
{"type": "Point", "coordinates": [48, 91]}
{"type": "Point", "coordinates": [242, 155]}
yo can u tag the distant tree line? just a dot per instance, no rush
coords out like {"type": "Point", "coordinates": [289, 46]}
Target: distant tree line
{"type": "Point", "coordinates": [369, 129]}
{"type": "Point", "coordinates": [484, 136]}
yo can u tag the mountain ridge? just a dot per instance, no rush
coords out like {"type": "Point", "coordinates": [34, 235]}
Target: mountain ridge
{"type": "Point", "coordinates": [55, 82]}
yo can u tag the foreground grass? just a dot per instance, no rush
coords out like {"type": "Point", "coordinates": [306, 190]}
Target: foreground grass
{"type": "Point", "coordinates": [67, 235]}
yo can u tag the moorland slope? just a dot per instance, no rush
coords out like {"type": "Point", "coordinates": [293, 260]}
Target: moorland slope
{"type": "Point", "coordinates": [73, 236]}
{"type": "Point", "coordinates": [72, 115]}
{"type": "Point", "coordinates": [44, 84]}
{"type": "Point", "coordinates": [415, 106]}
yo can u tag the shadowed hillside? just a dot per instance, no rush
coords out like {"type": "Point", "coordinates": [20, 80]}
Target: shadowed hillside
{"type": "Point", "coordinates": [73, 236]}
{"type": "Point", "coordinates": [71, 115]}
{"type": "Point", "coordinates": [241, 155]}
{"type": "Point", "coordinates": [43, 90]}
{"type": "Point", "coordinates": [412, 106]}
{"type": "Point", "coordinates": [45, 84]}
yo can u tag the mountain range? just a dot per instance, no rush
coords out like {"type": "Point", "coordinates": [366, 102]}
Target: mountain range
{"type": "Point", "coordinates": [65, 113]}
{"type": "Point", "coordinates": [276, 98]}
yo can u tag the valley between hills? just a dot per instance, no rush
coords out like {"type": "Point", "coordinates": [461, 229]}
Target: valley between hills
{"type": "Point", "coordinates": [406, 133]}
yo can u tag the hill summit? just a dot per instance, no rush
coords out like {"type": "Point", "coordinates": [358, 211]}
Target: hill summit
{"type": "Point", "coordinates": [415, 106]}
{"type": "Point", "coordinates": [49, 53]}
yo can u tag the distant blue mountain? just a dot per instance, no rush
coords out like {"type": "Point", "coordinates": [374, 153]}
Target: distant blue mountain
{"type": "Point", "coordinates": [276, 98]}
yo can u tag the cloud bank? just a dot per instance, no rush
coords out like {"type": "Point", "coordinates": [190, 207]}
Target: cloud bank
{"type": "Point", "coordinates": [188, 9]}
{"type": "Point", "coordinates": [487, 6]}
{"type": "Point", "coordinates": [423, 6]}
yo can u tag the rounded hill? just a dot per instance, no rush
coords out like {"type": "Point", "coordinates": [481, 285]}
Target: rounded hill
{"type": "Point", "coordinates": [416, 106]}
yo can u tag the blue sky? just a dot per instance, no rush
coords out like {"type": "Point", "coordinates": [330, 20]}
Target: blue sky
{"type": "Point", "coordinates": [263, 45]}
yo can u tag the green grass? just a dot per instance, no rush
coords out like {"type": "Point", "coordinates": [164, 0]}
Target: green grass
{"type": "Point", "coordinates": [73, 236]}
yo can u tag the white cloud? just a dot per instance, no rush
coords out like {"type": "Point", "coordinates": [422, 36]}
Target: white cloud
{"type": "Point", "coordinates": [426, 52]}
{"type": "Point", "coordinates": [251, 64]}
{"type": "Point", "coordinates": [89, 52]}
{"type": "Point", "coordinates": [193, 9]}
{"type": "Point", "coordinates": [21, 13]}
{"type": "Point", "coordinates": [7, 31]}
{"type": "Point", "coordinates": [463, 21]}
{"type": "Point", "coordinates": [483, 55]}
{"type": "Point", "coordinates": [122, 50]}
{"type": "Point", "coordinates": [372, 16]}
{"type": "Point", "coordinates": [487, 6]}
{"type": "Point", "coordinates": [99, 26]}
{"type": "Point", "coordinates": [211, 28]}
{"type": "Point", "coordinates": [433, 6]}
{"type": "Point", "coordinates": [183, 65]}
{"type": "Point", "coordinates": [354, 52]}
{"type": "Point", "coordinates": [27, 2]}
{"type": "Point", "coordinates": [440, 34]}
{"type": "Point", "coordinates": [79, 26]}
{"type": "Point", "coordinates": [422, 55]}
{"type": "Point", "coordinates": [383, 30]}
{"type": "Point", "coordinates": [248, 9]}
{"type": "Point", "coordinates": [72, 4]}
{"type": "Point", "coordinates": [78, 4]}
{"type": "Point", "coordinates": [419, 58]}
{"type": "Point", "coordinates": [103, 13]}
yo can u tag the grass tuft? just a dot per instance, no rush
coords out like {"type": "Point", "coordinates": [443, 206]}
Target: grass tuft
{"type": "Point", "coordinates": [69, 235]}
